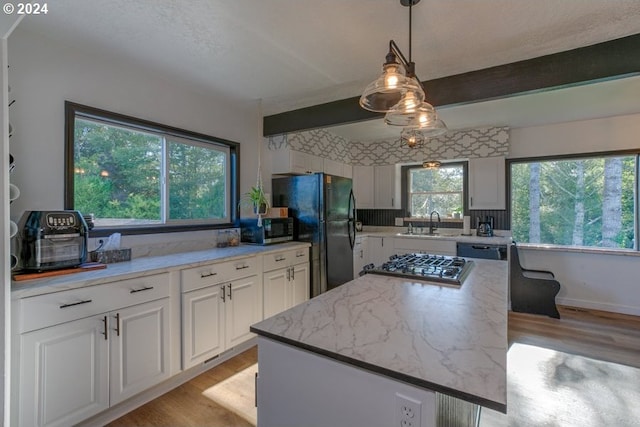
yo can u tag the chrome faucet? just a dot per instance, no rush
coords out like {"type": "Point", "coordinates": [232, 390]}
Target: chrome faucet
{"type": "Point", "coordinates": [431, 227]}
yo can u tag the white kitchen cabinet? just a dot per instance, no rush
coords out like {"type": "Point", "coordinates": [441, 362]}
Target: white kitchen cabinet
{"type": "Point", "coordinates": [64, 373]}
{"type": "Point", "coordinates": [219, 303]}
{"type": "Point", "coordinates": [386, 187]}
{"type": "Point", "coordinates": [360, 255]}
{"type": "Point", "coordinates": [139, 348]}
{"type": "Point", "coordinates": [487, 183]}
{"type": "Point", "coordinates": [379, 249]}
{"type": "Point", "coordinates": [286, 280]}
{"type": "Point", "coordinates": [287, 161]}
{"type": "Point", "coordinates": [337, 168]}
{"type": "Point", "coordinates": [363, 186]}
{"type": "Point", "coordinates": [406, 245]}
{"type": "Point", "coordinates": [84, 350]}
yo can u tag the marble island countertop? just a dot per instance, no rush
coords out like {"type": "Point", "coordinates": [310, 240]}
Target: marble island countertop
{"type": "Point", "coordinates": [448, 339]}
{"type": "Point", "coordinates": [142, 267]}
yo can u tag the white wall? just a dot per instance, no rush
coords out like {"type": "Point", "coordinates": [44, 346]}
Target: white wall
{"type": "Point", "coordinates": [43, 75]}
{"type": "Point", "coordinates": [590, 280]}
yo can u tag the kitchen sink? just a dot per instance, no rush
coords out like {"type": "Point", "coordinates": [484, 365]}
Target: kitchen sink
{"type": "Point", "coordinates": [406, 233]}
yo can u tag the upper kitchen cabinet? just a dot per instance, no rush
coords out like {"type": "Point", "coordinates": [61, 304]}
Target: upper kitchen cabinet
{"type": "Point", "coordinates": [334, 167]}
{"type": "Point", "coordinates": [487, 183]}
{"type": "Point", "coordinates": [386, 187]}
{"type": "Point", "coordinates": [363, 186]}
{"type": "Point", "coordinates": [287, 161]}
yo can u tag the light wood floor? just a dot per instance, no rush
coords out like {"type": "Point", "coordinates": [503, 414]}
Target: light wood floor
{"type": "Point", "coordinates": [595, 334]}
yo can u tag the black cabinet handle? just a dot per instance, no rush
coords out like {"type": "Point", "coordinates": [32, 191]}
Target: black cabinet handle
{"type": "Point", "coordinates": [76, 303]}
{"type": "Point", "coordinates": [293, 273]}
{"type": "Point", "coordinates": [105, 333]}
{"type": "Point", "coordinates": [243, 267]}
{"type": "Point", "coordinates": [223, 296]}
{"type": "Point", "coordinates": [281, 259]}
{"type": "Point", "coordinates": [229, 286]}
{"type": "Point", "coordinates": [301, 254]}
{"type": "Point", "coordinates": [117, 329]}
{"type": "Point", "coordinates": [146, 288]}
{"type": "Point", "coordinates": [202, 276]}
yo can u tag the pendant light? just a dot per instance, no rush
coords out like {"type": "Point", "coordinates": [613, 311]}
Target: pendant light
{"type": "Point", "coordinates": [431, 164]}
{"type": "Point", "coordinates": [412, 138]}
{"type": "Point", "coordinates": [399, 93]}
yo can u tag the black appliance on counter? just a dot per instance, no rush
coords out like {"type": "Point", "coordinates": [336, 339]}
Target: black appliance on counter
{"type": "Point", "coordinates": [269, 231]}
{"type": "Point", "coordinates": [324, 210]}
{"type": "Point", "coordinates": [52, 240]}
{"type": "Point", "coordinates": [485, 228]}
{"type": "Point", "coordinates": [434, 268]}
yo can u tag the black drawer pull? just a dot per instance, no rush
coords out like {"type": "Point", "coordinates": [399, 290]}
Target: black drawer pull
{"type": "Point", "coordinates": [300, 255]}
{"type": "Point", "coordinates": [284, 258]}
{"type": "Point", "coordinates": [76, 303]}
{"type": "Point", "coordinates": [202, 276]}
{"type": "Point", "coordinates": [146, 288]}
{"type": "Point", "coordinates": [243, 267]}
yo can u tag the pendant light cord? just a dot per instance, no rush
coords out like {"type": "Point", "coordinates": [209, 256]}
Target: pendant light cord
{"type": "Point", "coordinates": [410, 21]}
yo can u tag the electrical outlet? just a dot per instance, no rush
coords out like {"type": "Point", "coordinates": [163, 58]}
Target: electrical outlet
{"type": "Point", "coordinates": [408, 411]}
{"type": "Point", "coordinates": [399, 221]}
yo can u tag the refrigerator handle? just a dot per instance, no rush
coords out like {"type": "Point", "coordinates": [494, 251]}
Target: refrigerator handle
{"type": "Point", "coordinates": [351, 222]}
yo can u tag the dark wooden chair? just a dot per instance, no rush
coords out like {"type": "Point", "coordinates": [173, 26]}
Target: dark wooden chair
{"type": "Point", "coordinates": [532, 291]}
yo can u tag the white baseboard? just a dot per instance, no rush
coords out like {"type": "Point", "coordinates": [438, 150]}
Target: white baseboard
{"type": "Point", "coordinates": [614, 308]}
{"type": "Point", "coordinates": [138, 400]}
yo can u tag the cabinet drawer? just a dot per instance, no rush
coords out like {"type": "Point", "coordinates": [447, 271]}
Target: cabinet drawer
{"type": "Point", "coordinates": [59, 307]}
{"type": "Point", "coordinates": [273, 261]}
{"type": "Point", "coordinates": [211, 274]}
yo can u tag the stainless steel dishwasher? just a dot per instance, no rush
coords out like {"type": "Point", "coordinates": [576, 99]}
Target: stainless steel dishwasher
{"type": "Point", "coordinates": [481, 250]}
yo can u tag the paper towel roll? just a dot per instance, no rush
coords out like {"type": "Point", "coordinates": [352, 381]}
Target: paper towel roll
{"type": "Point", "coordinates": [466, 225]}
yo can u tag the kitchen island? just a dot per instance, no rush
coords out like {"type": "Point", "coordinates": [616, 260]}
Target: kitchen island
{"type": "Point", "coordinates": [361, 353]}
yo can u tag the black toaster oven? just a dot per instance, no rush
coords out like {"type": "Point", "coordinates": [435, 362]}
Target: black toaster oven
{"type": "Point", "coordinates": [52, 240]}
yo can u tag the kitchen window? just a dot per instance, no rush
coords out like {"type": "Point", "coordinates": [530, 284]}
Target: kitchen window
{"type": "Point", "coordinates": [576, 201]}
{"type": "Point", "coordinates": [441, 189]}
{"type": "Point", "coordinates": [135, 176]}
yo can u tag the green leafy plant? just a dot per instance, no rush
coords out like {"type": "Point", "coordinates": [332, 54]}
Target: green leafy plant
{"type": "Point", "coordinates": [255, 198]}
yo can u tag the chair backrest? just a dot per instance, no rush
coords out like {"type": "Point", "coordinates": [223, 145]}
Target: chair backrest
{"type": "Point", "coordinates": [515, 259]}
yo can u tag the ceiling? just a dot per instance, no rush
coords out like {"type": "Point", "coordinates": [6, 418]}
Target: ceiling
{"type": "Point", "coordinates": [292, 54]}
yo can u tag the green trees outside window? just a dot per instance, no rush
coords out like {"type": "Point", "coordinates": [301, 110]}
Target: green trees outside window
{"type": "Point", "coordinates": [440, 189]}
{"type": "Point", "coordinates": [575, 202]}
{"type": "Point", "coordinates": [130, 175]}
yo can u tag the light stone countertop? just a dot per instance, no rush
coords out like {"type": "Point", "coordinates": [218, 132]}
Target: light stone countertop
{"type": "Point", "coordinates": [448, 339]}
{"type": "Point", "coordinates": [142, 267]}
{"type": "Point", "coordinates": [501, 237]}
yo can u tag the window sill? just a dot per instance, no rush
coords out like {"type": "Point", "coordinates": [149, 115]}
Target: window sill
{"type": "Point", "coordinates": [578, 249]}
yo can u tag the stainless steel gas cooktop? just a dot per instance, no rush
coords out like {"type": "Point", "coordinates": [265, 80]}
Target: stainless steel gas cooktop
{"type": "Point", "coordinates": [433, 268]}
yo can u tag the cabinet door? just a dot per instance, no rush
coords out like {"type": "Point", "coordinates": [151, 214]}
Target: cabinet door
{"type": "Point", "coordinates": [300, 285]}
{"type": "Point", "coordinates": [275, 285]}
{"type": "Point", "coordinates": [380, 249]}
{"type": "Point", "coordinates": [385, 195]}
{"type": "Point", "coordinates": [242, 309]}
{"type": "Point", "coordinates": [139, 348]}
{"type": "Point", "coordinates": [487, 183]}
{"type": "Point", "coordinates": [64, 373]}
{"type": "Point", "coordinates": [202, 325]}
{"type": "Point", "coordinates": [360, 256]}
{"type": "Point", "coordinates": [363, 186]}
{"type": "Point", "coordinates": [333, 167]}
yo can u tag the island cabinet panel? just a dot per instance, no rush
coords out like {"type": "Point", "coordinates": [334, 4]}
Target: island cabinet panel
{"type": "Point", "coordinates": [487, 183]}
{"type": "Point", "coordinates": [76, 366]}
{"type": "Point", "coordinates": [342, 394]}
{"type": "Point", "coordinates": [426, 246]}
{"type": "Point", "coordinates": [219, 303]}
{"type": "Point", "coordinates": [286, 280]}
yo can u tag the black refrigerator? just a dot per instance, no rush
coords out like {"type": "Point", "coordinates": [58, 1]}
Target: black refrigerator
{"type": "Point", "coordinates": [324, 210]}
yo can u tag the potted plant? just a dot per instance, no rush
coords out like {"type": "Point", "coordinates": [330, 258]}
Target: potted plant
{"type": "Point", "coordinates": [256, 198]}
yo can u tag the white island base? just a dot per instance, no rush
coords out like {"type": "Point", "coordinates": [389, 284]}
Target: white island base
{"type": "Point", "coordinates": [297, 388]}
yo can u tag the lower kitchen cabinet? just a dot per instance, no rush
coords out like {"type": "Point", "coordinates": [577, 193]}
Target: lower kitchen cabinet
{"type": "Point", "coordinates": [286, 280]}
{"type": "Point", "coordinates": [360, 255]}
{"type": "Point", "coordinates": [75, 369]}
{"type": "Point", "coordinates": [380, 249]}
{"type": "Point", "coordinates": [219, 303]}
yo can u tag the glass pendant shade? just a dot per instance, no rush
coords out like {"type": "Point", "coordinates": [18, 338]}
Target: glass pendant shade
{"type": "Point", "coordinates": [434, 128]}
{"type": "Point", "coordinates": [409, 113]}
{"type": "Point", "coordinates": [412, 138]}
{"type": "Point", "coordinates": [388, 89]}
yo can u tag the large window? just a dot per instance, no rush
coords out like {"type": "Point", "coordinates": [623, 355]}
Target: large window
{"type": "Point", "coordinates": [440, 189]}
{"type": "Point", "coordinates": [131, 174]}
{"type": "Point", "coordinates": [589, 201]}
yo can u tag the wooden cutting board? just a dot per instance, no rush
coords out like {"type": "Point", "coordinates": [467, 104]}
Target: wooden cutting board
{"type": "Point", "coordinates": [51, 273]}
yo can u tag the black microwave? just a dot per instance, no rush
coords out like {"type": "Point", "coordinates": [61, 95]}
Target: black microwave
{"type": "Point", "coordinates": [272, 230]}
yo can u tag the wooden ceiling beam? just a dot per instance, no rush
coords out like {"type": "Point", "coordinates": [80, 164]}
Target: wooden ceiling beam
{"type": "Point", "coordinates": [603, 61]}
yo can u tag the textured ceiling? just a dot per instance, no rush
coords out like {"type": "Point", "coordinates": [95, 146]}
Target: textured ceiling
{"type": "Point", "coordinates": [297, 53]}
